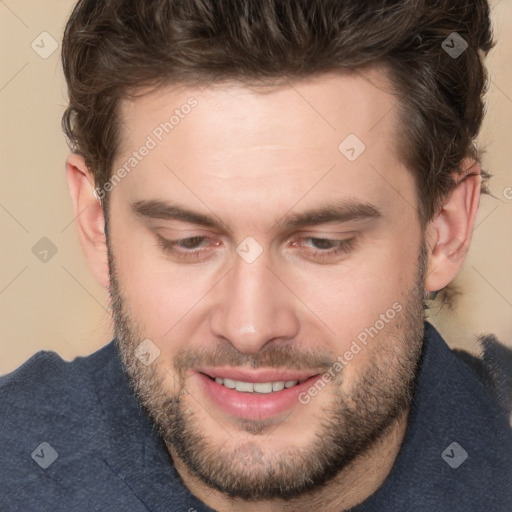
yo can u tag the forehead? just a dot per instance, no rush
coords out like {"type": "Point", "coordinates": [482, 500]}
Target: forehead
{"type": "Point", "coordinates": [318, 109]}
{"type": "Point", "coordinates": [332, 135]}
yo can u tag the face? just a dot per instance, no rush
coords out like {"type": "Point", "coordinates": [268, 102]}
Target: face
{"type": "Point", "coordinates": [272, 272]}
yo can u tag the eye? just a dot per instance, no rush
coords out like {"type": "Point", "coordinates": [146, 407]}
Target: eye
{"type": "Point", "coordinates": [185, 248]}
{"type": "Point", "coordinates": [328, 248]}
{"type": "Point", "coordinates": [190, 243]}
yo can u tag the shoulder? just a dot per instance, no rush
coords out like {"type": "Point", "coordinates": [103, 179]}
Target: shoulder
{"type": "Point", "coordinates": [46, 375]}
{"type": "Point", "coordinates": [47, 394]}
{"type": "Point", "coordinates": [492, 367]}
{"type": "Point", "coordinates": [473, 440]}
{"type": "Point", "coordinates": [56, 439]}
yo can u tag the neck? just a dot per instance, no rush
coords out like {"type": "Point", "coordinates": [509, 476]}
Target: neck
{"type": "Point", "coordinates": [351, 486]}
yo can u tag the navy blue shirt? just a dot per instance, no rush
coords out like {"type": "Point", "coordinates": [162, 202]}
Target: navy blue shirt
{"type": "Point", "coordinates": [74, 438]}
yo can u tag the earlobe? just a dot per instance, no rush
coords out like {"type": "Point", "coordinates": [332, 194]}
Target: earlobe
{"type": "Point", "coordinates": [450, 232]}
{"type": "Point", "coordinates": [89, 217]}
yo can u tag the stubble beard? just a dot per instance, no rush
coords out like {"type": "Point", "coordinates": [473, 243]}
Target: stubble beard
{"type": "Point", "coordinates": [350, 424]}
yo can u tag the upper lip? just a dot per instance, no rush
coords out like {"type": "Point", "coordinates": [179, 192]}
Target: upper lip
{"type": "Point", "coordinates": [258, 374]}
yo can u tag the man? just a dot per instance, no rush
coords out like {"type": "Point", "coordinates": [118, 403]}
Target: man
{"type": "Point", "coordinates": [269, 190]}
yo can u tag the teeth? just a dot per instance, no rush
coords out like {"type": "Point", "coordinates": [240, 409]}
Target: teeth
{"type": "Point", "coordinates": [256, 387]}
{"type": "Point", "coordinates": [247, 387]}
{"type": "Point", "coordinates": [277, 386]}
{"type": "Point", "coordinates": [229, 383]}
{"type": "Point", "coordinates": [263, 387]}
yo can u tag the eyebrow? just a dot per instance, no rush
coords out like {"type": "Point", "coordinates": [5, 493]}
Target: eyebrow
{"type": "Point", "coordinates": [345, 211]}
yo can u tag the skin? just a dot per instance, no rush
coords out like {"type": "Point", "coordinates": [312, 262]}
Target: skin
{"type": "Point", "coordinates": [248, 158]}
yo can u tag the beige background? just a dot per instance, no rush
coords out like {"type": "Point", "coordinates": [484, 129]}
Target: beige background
{"type": "Point", "coordinates": [58, 305]}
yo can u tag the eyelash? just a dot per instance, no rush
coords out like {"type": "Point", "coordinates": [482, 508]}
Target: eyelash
{"type": "Point", "coordinates": [341, 247]}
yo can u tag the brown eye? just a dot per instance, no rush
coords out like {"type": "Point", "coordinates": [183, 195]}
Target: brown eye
{"type": "Point", "coordinates": [327, 248]}
{"type": "Point", "coordinates": [190, 243]}
{"type": "Point", "coordinates": [186, 248]}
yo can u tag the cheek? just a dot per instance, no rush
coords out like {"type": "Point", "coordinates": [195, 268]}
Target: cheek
{"type": "Point", "coordinates": [164, 301]}
{"type": "Point", "coordinates": [157, 294]}
{"type": "Point", "coordinates": [364, 299]}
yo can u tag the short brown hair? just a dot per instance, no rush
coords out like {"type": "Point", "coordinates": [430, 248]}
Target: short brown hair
{"type": "Point", "coordinates": [114, 48]}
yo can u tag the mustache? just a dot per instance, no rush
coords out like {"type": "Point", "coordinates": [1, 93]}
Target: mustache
{"type": "Point", "coordinates": [284, 356]}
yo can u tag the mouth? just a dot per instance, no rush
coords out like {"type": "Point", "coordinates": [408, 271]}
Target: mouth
{"type": "Point", "coordinates": [257, 387]}
{"type": "Point", "coordinates": [255, 394]}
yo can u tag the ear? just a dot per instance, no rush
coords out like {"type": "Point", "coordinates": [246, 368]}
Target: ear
{"type": "Point", "coordinates": [89, 217]}
{"type": "Point", "coordinates": [450, 232]}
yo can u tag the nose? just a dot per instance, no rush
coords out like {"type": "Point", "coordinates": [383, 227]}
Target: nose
{"type": "Point", "coordinates": [254, 306]}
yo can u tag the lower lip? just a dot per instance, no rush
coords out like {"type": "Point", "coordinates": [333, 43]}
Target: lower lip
{"type": "Point", "coordinates": [253, 406]}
